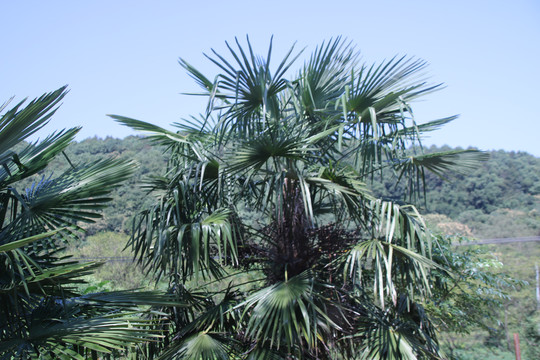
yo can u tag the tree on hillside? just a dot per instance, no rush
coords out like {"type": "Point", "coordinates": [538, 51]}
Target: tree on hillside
{"type": "Point", "coordinates": [43, 312]}
{"type": "Point", "coordinates": [267, 192]}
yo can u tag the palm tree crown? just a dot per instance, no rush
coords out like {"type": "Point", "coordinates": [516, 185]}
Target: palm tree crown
{"type": "Point", "coordinates": [272, 183]}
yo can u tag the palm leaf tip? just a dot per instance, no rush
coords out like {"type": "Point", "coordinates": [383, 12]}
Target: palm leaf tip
{"type": "Point", "coordinates": [454, 161]}
{"type": "Point", "coordinates": [18, 124]}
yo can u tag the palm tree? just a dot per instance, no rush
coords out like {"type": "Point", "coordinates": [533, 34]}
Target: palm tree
{"type": "Point", "coordinates": [268, 191]}
{"type": "Point", "coordinates": [43, 313]}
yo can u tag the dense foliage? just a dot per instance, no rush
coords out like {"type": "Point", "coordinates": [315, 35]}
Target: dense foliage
{"type": "Point", "coordinates": [272, 181]}
{"type": "Point", "coordinates": [278, 222]}
{"type": "Point", "coordinates": [44, 313]}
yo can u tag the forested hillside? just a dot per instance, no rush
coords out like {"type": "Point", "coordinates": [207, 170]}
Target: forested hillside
{"type": "Point", "coordinates": [501, 198]}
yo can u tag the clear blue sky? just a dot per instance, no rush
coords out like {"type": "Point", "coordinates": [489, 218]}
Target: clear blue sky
{"type": "Point", "coordinates": [120, 57]}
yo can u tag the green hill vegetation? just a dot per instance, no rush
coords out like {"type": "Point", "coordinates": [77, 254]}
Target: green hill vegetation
{"type": "Point", "coordinates": [498, 199]}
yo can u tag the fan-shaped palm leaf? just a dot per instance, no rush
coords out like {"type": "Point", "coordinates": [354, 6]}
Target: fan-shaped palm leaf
{"type": "Point", "coordinates": [287, 313]}
{"type": "Point", "coordinates": [62, 202]}
{"type": "Point", "coordinates": [201, 346]}
{"type": "Point", "coordinates": [18, 123]}
{"type": "Point", "coordinates": [34, 157]}
{"type": "Point", "coordinates": [325, 77]}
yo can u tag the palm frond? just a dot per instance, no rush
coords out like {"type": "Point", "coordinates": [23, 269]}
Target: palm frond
{"type": "Point", "coordinates": [325, 76]}
{"type": "Point", "coordinates": [201, 346]}
{"type": "Point", "coordinates": [392, 335]}
{"type": "Point", "coordinates": [61, 336]}
{"type": "Point", "coordinates": [18, 123]}
{"type": "Point", "coordinates": [184, 241]}
{"type": "Point", "coordinates": [287, 313]}
{"type": "Point", "coordinates": [442, 164]}
{"type": "Point", "coordinates": [75, 196]}
{"type": "Point", "coordinates": [155, 132]}
{"type": "Point", "coordinates": [251, 88]}
{"type": "Point", "coordinates": [398, 253]}
{"type": "Point", "coordinates": [34, 157]}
